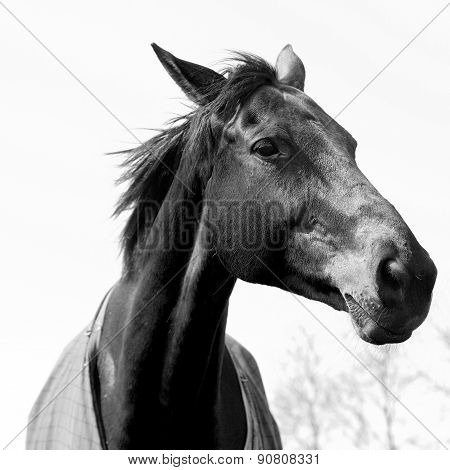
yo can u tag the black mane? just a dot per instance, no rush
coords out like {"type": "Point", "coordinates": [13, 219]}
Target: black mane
{"type": "Point", "coordinates": [149, 168]}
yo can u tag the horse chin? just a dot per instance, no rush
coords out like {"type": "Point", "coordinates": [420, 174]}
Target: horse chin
{"type": "Point", "coordinates": [368, 329]}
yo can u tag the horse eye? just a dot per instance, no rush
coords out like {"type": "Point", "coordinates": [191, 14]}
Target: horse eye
{"type": "Point", "coordinates": [265, 148]}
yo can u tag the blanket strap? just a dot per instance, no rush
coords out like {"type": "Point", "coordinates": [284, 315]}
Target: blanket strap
{"type": "Point", "coordinates": [94, 334]}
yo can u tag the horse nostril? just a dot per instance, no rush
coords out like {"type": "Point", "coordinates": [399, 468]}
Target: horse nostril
{"type": "Point", "coordinates": [392, 279]}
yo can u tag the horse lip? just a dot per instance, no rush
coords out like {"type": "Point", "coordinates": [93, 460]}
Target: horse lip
{"type": "Point", "coordinates": [386, 336]}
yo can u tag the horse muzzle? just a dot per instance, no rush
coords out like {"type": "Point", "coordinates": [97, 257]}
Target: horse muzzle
{"type": "Point", "coordinates": [401, 303]}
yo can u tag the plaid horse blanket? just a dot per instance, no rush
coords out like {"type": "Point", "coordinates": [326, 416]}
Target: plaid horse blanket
{"type": "Point", "coordinates": [66, 413]}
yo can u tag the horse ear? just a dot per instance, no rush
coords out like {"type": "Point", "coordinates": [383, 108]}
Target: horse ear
{"type": "Point", "coordinates": [290, 69]}
{"type": "Point", "coordinates": [198, 83]}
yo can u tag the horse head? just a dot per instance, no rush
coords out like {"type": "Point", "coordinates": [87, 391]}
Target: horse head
{"type": "Point", "coordinates": [323, 231]}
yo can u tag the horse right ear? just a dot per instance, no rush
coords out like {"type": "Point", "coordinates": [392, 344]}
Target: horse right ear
{"type": "Point", "coordinates": [199, 83]}
{"type": "Point", "coordinates": [290, 69]}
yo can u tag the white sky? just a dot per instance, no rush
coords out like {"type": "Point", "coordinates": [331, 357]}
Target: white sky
{"type": "Point", "coordinates": [58, 243]}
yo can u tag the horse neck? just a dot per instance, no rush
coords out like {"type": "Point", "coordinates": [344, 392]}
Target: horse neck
{"type": "Point", "coordinates": [168, 365]}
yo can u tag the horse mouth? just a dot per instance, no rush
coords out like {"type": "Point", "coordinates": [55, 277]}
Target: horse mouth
{"type": "Point", "coordinates": [368, 328]}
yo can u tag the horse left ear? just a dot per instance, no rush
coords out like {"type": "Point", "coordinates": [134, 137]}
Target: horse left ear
{"type": "Point", "coordinates": [290, 69]}
{"type": "Point", "coordinates": [198, 83]}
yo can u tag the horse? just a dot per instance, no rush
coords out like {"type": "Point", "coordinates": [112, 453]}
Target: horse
{"type": "Point", "coordinates": [257, 182]}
